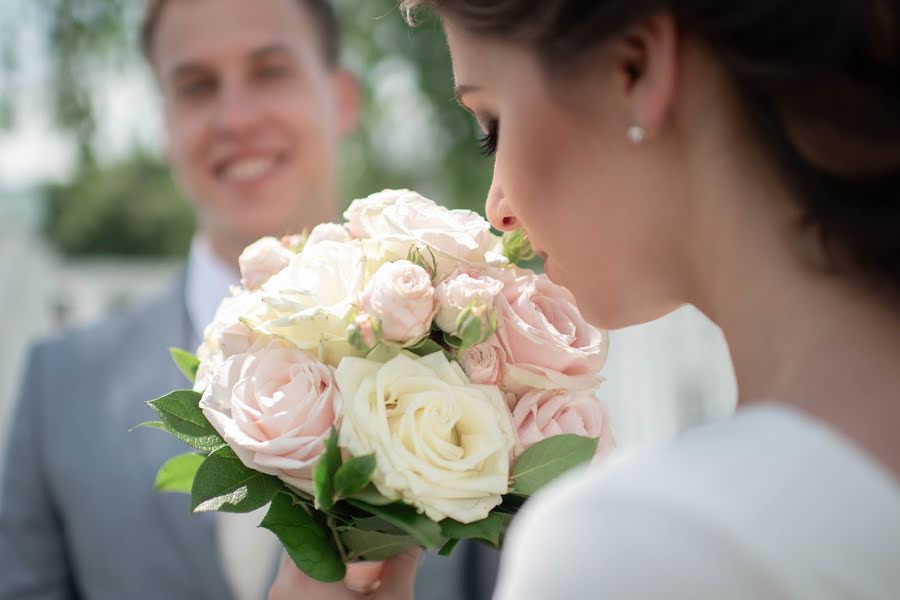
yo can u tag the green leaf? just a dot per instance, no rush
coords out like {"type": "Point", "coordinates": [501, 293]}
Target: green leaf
{"type": "Point", "coordinates": [550, 458]}
{"type": "Point", "coordinates": [512, 504]}
{"type": "Point", "coordinates": [371, 495]}
{"type": "Point", "coordinates": [452, 340]}
{"type": "Point", "coordinates": [307, 541]}
{"type": "Point", "coordinates": [374, 545]}
{"type": "Point", "coordinates": [489, 529]}
{"type": "Point", "coordinates": [376, 524]}
{"type": "Point", "coordinates": [180, 413]}
{"type": "Point", "coordinates": [354, 475]}
{"type": "Point", "coordinates": [447, 549]}
{"type": "Point", "coordinates": [425, 347]}
{"type": "Point", "coordinates": [186, 362]}
{"type": "Point", "coordinates": [323, 474]}
{"type": "Point", "coordinates": [426, 532]}
{"type": "Point", "coordinates": [177, 474]}
{"type": "Point", "coordinates": [300, 495]}
{"type": "Point", "coordinates": [225, 484]}
{"type": "Point", "coordinates": [150, 424]}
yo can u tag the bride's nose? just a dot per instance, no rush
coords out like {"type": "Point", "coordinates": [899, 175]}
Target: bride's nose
{"type": "Point", "coordinates": [498, 212]}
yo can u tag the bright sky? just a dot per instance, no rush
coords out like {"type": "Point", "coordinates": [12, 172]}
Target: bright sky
{"type": "Point", "coordinates": [34, 150]}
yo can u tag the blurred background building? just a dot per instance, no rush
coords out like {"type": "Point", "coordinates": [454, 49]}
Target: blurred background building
{"type": "Point", "coordinates": [90, 220]}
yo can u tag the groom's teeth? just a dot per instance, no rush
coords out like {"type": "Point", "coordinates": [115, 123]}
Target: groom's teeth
{"type": "Point", "coordinates": [243, 170]}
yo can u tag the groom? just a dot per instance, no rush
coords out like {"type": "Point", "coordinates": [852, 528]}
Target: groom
{"type": "Point", "coordinates": [255, 104]}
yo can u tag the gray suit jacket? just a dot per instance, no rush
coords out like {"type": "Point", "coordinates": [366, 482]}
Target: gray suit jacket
{"type": "Point", "coordinates": [78, 516]}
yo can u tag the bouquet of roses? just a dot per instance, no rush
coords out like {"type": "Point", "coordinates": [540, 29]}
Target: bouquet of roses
{"type": "Point", "coordinates": [390, 382]}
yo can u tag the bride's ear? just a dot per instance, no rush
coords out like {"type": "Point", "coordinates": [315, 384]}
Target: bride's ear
{"type": "Point", "coordinates": [647, 71]}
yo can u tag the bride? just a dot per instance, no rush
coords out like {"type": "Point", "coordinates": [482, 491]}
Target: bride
{"type": "Point", "coordinates": [743, 157]}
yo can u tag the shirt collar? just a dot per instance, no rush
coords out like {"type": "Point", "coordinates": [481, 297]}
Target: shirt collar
{"type": "Point", "coordinates": [209, 280]}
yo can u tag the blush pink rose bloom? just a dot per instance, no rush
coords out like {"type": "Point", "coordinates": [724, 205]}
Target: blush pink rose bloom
{"type": "Point", "coordinates": [547, 342]}
{"type": "Point", "coordinates": [274, 406]}
{"type": "Point", "coordinates": [483, 364]}
{"type": "Point", "coordinates": [456, 293]}
{"type": "Point", "coordinates": [262, 259]}
{"type": "Point", "coordinates": [330, 232]}
{"type": "Point", "coordinates": [401, 297]}
{"type": "Point", "coordinates": [544, 413]}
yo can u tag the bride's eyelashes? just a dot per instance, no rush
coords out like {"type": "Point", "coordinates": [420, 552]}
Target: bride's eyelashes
{"type": "Point", "coordinates": [488, 141]}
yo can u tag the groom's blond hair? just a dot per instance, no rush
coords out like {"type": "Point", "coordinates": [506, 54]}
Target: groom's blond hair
{"type": "Point", "coordinates": [321, 12]}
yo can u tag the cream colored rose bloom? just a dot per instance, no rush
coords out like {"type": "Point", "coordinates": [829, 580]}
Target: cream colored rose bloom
{"type": "Point", "coordinates": [313, 298]}
{"type": "Point", "coordinates": [441, 443]}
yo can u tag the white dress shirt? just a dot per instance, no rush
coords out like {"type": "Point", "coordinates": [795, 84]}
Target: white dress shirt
{"type": "Point", "coordinates": [248, 553]}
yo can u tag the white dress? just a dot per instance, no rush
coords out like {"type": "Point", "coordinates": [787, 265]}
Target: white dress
{"type": "Point", "coordinates": [768, 504]}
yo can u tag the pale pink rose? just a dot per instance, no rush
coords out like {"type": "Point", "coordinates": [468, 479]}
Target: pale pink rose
{"type": "Point", "coordinates": [331, 232]}
{"type": "Point", "coordinates": [401, 297]}
{"type": "Point", "coordinates": [275, 407]}
{"type": "Point", "coordinates": [548, 344]}
{"type": "Point", "coordinates": [544, 413]}
{"type": "Point", "coordinates": [365, 332]}
{"type": "Point", "coordinates": [403, 218]}
{"type": "Point", "coordinates": [293, 242]}
{"type": "Point", "coordinates": [262, 259]}
{"type": "Point", "coordinates": [455, 294]}
{"type": "Point", "coordinates": [483, 364]}
{"type": "Point", "coordinates": [227, 334]}
{"type": "Point", "coordinates": [362, 210]}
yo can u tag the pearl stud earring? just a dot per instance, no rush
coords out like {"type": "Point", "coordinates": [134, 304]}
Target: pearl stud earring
{"type": "Point", "coordinates": [636, 134]}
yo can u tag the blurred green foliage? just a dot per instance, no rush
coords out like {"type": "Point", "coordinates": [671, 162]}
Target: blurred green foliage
{"type": "Point", "coordinates": [132, 206]}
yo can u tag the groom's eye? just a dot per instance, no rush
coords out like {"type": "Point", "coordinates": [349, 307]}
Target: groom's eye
{"type": "Point", "coordinates": [488, 141]}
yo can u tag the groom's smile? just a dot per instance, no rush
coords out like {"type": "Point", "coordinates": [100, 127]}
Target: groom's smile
{"type": "Point", "coordinates": [254, 111]}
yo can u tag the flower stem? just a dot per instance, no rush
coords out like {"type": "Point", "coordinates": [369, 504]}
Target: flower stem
{"type": "Point", "coordinates": [332, 526]}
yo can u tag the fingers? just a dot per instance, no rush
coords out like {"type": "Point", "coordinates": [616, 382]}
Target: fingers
{"type": "Point", "coordinates": [399, 576]}
{"type": "Point", "coordinates": [392, 579]}
{"type": "Point", "coordinates": [292, 584]}
{"type": "Point", "coordinates": [363, 577]}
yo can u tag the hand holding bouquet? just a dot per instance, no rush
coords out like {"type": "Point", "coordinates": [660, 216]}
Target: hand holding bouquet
{"type": "Point", "coordinates": [391, 382]}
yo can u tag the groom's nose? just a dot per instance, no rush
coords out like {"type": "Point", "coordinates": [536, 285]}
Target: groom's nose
{"type": "Point", "coordinates": [498, 212]}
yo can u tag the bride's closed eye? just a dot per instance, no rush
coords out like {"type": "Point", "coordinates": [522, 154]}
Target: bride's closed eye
{"type": "Point", "coordinates": [488, 141]}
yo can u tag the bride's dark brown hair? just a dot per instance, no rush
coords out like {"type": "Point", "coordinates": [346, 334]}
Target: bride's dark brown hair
{"type": "Point", "coordinates": [820, 79]}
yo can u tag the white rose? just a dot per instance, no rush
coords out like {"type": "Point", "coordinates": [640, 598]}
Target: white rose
{"type": "Point", "coordinates": [401, 297]}
{"type": "Point", "coordinates": [262, 259]}
{"type": "Point", "coordinates": [313, 298]}
{"type": "Point", "coordinates": [227, 335]}
{"type": "Point", "coordinates": [455, 294]}
{"type": "Point", "coordinates": [441, 443]}
{"type": "Point", "coordinates": [363, 210]}
{"type": "Point", "coordinates": [402, 218]}
{"type": "Point", "coordinates": [275, 407]}
{"type": "Point", "coordinates": [328, 232]}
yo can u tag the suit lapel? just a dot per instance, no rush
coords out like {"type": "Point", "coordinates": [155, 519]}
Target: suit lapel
{"type": "Point", "coordinates": [193, 535]}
